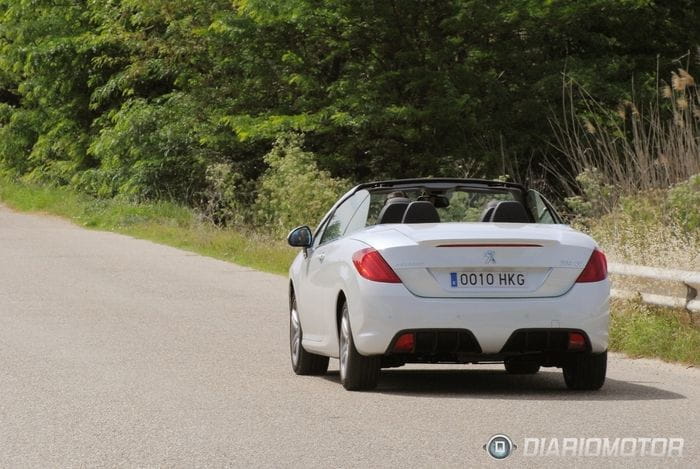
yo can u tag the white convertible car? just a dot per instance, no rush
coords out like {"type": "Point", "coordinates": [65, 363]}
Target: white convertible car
{"type": "Point", "coordinates": [447, 271]}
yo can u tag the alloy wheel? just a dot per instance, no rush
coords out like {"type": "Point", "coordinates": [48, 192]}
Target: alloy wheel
{"type": "Point", "coordinates": [294, 335]}
{"type": "Point", "coordinates": [344, 346]}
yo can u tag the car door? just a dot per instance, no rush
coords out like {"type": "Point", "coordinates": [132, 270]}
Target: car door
{"type": "Point", "coordinates": [321, 281]}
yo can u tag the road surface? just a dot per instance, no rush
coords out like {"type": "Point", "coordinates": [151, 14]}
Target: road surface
{"type": "Point", "coordinates": [121, 352]}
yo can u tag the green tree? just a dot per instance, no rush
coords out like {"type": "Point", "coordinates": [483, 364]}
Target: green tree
{"type": "Point", "coordinates": [140, 97]}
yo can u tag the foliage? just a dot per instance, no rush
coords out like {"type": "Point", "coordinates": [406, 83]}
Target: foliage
{"type": "Point", "coordinates": [293, 190]}
{"type": "Point", "coordinates": [149, 151]}
{"type": "Point", "coordinates": [596, 195]}
{"type": "Point", "coordinates": [139, 98]}
{"type": "Point", "coordinates": [221, 205]}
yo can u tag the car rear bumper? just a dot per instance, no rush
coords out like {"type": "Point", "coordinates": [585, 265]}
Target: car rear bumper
{"type": "Point", "coordinates": [382, 310]}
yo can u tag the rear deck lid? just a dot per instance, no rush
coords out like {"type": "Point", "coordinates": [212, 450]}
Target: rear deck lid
{"type": "Point", "coordinates": [475, 260]}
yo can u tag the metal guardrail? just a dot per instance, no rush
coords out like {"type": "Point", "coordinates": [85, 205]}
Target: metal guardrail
{"type": "Point", "coordinates": [686, 285]}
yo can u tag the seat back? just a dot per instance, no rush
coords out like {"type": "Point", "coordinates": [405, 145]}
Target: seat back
{"type": "Point", "coordinates": [511, 211]}
{"type": "Point", "coordinates": [421, 212]}
{"type": "Point", "coordinates": [392, 212]}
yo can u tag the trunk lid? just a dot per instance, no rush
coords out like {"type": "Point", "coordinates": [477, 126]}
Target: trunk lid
{"type": "Point", "coordinates": [473, 260]}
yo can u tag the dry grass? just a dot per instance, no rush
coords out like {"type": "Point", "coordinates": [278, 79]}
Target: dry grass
{"type": "Point", "coordinates": [653, 243]}
{"type": "Point", "coordinates": [634, 148]}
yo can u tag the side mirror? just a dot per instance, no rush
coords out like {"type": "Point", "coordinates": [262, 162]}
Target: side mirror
{"type": "Point", "coordinates": [300, 237]}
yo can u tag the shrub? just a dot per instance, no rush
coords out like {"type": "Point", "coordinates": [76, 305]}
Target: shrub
{"type": "Point", "coordinates": [596, 196]}
{"type": "Point", "coordinates": [294, 191]}
{"type": "Point", "coordinates": [221, 205]}
{"type": "Point", "coordinates": [149, 151]}
{"type": "Point", "coordinates": [18, 133]}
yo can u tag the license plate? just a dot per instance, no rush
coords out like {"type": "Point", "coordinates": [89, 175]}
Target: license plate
{"type": "Point", "coordinates": [488, 279]}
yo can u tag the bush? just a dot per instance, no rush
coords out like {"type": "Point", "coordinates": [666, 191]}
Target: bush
{"type": "Point", "coordinates": [150, 151]}
{"type": "Point", "coordinates": [596, 197]}
{"type": "Point", "coordinates": [221, 205]}
{"type": "Point", "coordinates": [294, 191]}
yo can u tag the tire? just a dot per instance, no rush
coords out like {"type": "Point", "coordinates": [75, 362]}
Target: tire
{"type": "Point", "coordinates": [586, 372]}
{"type": "Point", "coordinates": [303, 362]}
{"type": "Point", "coordinates": [521, 367]}
{"type": "Point", "coordinates": [357, 372]}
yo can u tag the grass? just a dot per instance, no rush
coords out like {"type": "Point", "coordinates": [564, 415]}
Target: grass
{"type": "Point", "coordinates": [162, 222]}
{"type": "Point", "coordinates": [641, 330]}
{"type": "Point", "coordinates": [636, 329]}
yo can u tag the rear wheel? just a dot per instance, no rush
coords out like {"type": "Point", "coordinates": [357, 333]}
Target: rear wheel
{"type": "Point", "coordinates": [586, 372]}
{"type": "Point", "coordinates": [303, 362]}
{"type": "Point", "coordinates": [357, 372]}
{"type": "Point", "coordinates": [520, 367]}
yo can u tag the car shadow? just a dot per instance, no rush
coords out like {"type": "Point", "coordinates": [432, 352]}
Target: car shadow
{"type": "Point", "coordinates": [494, 384]}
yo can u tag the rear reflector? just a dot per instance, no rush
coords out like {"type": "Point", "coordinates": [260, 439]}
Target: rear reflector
{"type": "Point", "coordinates": [596, 269]}
{"type": "Point", "coordinates": [576, 341]}
{"type": "Point", "coordinates": [372, 266]}
{"type": "Point", "coordinates": [405, 343]}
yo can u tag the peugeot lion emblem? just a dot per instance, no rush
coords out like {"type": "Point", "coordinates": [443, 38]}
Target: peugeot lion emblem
{"type": "Point", "coordinates": [490, 257]}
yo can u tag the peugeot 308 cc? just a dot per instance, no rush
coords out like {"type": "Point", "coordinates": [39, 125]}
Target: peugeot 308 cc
{"type": "Point", "coordinates": [447, 271]}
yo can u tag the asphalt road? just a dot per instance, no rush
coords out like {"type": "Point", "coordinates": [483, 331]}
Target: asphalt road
{"type": "Point", "coordinates": [121, 352]}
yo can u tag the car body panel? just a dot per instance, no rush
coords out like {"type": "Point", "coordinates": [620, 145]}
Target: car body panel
{"type": "Point", "coordinates": [378, 315]}
{"type": "Point", "coordinates": [318, 284]}
{"type": "Point", "coordinates": [423, 257]}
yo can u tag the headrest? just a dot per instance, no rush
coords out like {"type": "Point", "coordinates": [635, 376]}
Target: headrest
{"type": "Point", "coordinates": [510, 211]}
{"type": "Point", "coordinates": [393, 211]}
{"type": "Point", "coordinates": [421, 212]}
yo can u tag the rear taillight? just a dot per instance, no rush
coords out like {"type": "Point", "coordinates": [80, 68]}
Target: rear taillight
{"type": "Point", "coordinates": [372, 266]}
{"type": "Point", "coordinates": [596, 269]}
